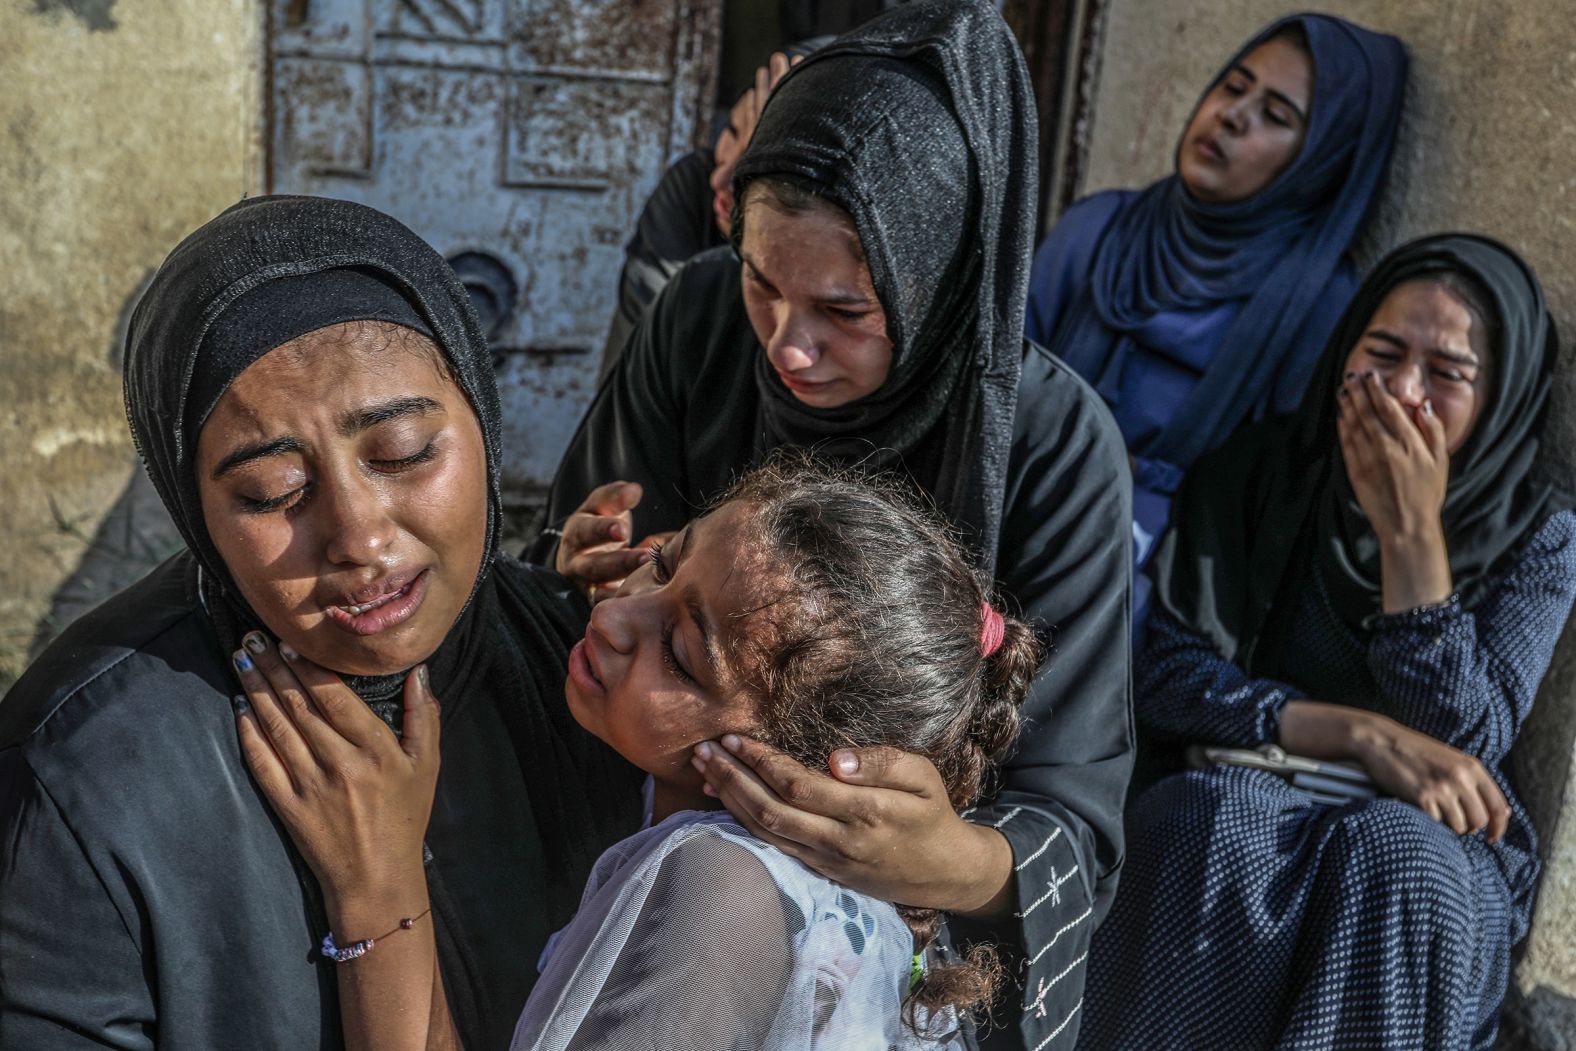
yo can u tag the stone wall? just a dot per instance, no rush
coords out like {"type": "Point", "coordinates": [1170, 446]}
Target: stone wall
{"type": "Point", "coordinates": [1489, 145]}
{"type": "Point", "coordinates": [122, 127]}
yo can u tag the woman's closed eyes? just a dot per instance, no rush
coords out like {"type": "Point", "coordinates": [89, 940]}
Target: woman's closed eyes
{"type": "Point", "coordinates": [1275, 112]}
{"type": "Point", "coordinates": [294, 498]}
{"type": "Point", "coordinates": [1439, 367]}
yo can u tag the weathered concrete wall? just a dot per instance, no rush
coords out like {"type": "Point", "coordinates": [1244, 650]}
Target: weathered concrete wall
{"type": "Point", "coordinates": [122, 127]}
{"type": "Point", "coordinates": [1489, 144]}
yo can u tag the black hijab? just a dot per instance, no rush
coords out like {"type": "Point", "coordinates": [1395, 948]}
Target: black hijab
{"type": "Point", "coordinates": [272, 268]}
{"type": "Point", "coordinates": [921, 126]}
{"type": "Point", "coordinates": [261, 273]}
{"type": "Point", "coordinates": [1275, 500]}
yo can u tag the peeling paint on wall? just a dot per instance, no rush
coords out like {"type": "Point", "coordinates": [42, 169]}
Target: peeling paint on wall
{"type": "Point", "coordinates": [95, 14]}
{"type": "Point", "coordinates": [51, 440]}
{"type": "Point", "coordinates": [113, 146]}
{"type": "Point", "coordinates": [523, 135]}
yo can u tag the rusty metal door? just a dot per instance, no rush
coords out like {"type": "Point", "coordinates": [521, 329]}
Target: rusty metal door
{"type": "Point", "coordinates": [520, 138]}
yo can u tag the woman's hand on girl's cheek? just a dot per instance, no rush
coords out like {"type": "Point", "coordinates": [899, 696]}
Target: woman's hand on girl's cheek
{"type": "Point", "coordinates": [883, 826]}
{"type": "Point", "coordinates": [354, 797]}
{"type": "Point", "coordinates": [594, 550]}
{"type": "Point", "coordinates": [1396, 459]}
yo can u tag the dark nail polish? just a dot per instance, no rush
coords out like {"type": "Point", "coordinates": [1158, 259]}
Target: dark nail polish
{"type": "Point", "coordinates": [242, 705]}
{"type": "Point", "coordinates": [255, 642]}
{"type": "Point", "coordinates": [1350, 375]}
{"type": "Point", "coordinates": [243, 662]}
{"type": "Point", "coordinates": [422, 678]}
{"type": "Point", "coordinates": [287, 652]}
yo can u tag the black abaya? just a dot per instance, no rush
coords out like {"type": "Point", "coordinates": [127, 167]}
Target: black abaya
{"type": "Point", "coordinates": [148, 897]}
{"type": "Point", "coordinates": [681, 416]}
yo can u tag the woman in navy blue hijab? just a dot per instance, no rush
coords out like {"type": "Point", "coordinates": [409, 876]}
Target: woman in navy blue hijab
{"type": "Point", "coordinates": [1203, 300]}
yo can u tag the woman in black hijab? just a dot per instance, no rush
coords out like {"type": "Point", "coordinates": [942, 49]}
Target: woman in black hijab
{"type": "Point", "coordinates": [873, 313]}
{"type": "Point", "coordinates": [310, 391]}
{"type": "Point", "coordinates": [1380, 579]}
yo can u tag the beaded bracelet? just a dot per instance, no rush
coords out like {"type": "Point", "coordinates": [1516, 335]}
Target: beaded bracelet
{"type": "Point", "coordinates": [1401, 616]}
{"type": "Point", "coordinates": [364, 946]}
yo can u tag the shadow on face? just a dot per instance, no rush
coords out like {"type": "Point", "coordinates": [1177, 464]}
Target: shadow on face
{"type": "Point", "coordinates": [343, 479]}
{"type": "Point", "coordinates": [811, 301]}
{"type": "Point", "coordinates": [656, 672]}
{"type": "Point", "coordinates": [1251, 125]}
{"type": "Point", "coordinates": [1427, 344]}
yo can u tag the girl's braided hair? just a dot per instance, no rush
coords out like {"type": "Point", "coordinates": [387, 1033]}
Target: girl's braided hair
{"type": "Point", "coordinates": [872, 636]}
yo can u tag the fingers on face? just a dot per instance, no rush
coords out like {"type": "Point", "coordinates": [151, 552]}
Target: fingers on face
{"type": "Point", "coordinates": [762, 807]}
{"type": "Point", "coordinates": [1355, 410]}
{"type": "Point", "coordinates": [337, 704]}
{"type": "Point", "coordinates": [292, 699]}
{"type": "Point", "coordinates": [738, 788]}
{"type": "Point", "coordinates": [1364, 399]}
{"type": "Point", "coordinates": [790, 780]}
{"type": "Point", "coordinates": [301, 704]}
{"type": "Point", "coordinates": [612, 498]}
{"type": "Point", "coordinates": [602, 592]}
{"type": "Point", "coordinates": [586, 530]}
{"type": "Point", "coordinates": [1388, 410]}
{"type": "Point", "coordinates": [1433, 429]}
{"type": "Point", "coordinates": [600, 575]}
{"type": "Point", "coordinates": [886, 767]}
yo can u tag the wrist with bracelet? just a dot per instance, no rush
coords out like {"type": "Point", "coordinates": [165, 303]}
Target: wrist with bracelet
{"type": "Point", "coordinates": [356, 950]}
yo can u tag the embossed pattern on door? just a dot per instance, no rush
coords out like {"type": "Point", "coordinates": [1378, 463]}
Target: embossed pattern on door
{"type": "Point", "coordinates": [520, 138]}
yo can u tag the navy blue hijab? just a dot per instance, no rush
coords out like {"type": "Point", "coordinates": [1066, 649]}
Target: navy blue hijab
{"type": "Point", "coordinates": [1166, 262]}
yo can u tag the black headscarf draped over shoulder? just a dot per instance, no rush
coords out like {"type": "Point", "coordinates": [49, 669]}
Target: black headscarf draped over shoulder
{"type": "Point", "coordinates": [921, 126]}
{"type": "Point", "coordinates": [272, 268]}
{"type": "Point", "coordinates": [1275, 500]}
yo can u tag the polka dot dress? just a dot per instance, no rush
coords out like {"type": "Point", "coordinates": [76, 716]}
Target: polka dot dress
{"type": "Point", "coordinates": [1250, 916]}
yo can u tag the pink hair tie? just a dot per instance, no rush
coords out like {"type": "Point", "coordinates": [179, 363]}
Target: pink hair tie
{"type": "Point", "coordinates": [991, 631]}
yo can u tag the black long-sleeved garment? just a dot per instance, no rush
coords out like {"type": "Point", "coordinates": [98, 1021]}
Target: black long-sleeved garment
{"type": "Point", "coordinates": [681, 415]}
{"type": "Point", "coordinates": [675, 225]}
{"type": "Point", "coordinates": [149, 898]}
